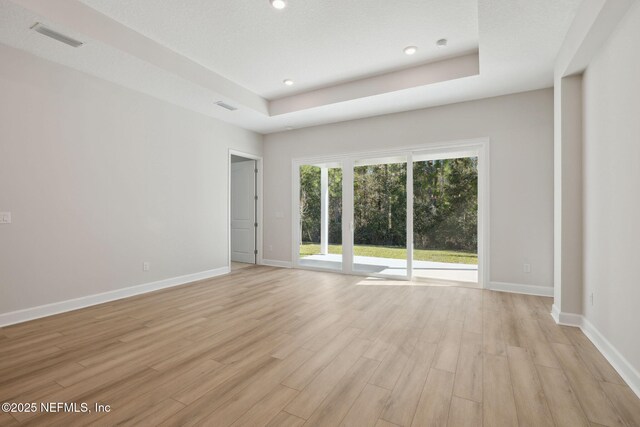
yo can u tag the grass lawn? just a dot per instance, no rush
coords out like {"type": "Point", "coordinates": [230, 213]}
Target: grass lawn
{"type": "Point", "coordinates": [396, 253]}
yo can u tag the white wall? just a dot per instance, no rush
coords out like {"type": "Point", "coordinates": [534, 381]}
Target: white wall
{"type": "Point", "coordinates": [520, 128]}
{"type": "Point", "coordinates": [568, 194]}
{"type": "Point", "coordinates": [99, 179]}
{"type": "Point", "coordinates": [593, 24]}
{"type": "Point", "coordinates": [611, 198]}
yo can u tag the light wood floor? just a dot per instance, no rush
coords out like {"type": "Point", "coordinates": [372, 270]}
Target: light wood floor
{"type": "Point", "coordinates": [239, 265]}
{"type": "Point", "coordinates": [266, 346]}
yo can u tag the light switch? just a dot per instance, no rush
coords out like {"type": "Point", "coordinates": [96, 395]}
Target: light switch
{"type": "Point", "coordinates": [5, 217]}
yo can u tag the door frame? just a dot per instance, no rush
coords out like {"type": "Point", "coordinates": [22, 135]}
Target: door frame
{"type": "Point", "coordinates": [259, 203]}
{"type": "Point", "coordinates": [476, 146]}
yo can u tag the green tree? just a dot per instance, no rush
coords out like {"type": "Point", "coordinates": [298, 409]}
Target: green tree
{"type": "Point", "coordinates": [310, 203]}
{"type": "Point", "coordinates": [310, 193]}
{"type": "Point", "coordinates": [380, 204]}
{"type": "Point", "coordinates": [445, 204]}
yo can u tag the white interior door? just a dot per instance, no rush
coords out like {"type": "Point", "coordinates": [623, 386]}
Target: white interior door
{"type": "Point", "coordinates": [243, 212]}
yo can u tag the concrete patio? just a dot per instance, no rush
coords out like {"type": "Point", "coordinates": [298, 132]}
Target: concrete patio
{"type": "Point", "coordinates": [467, 273]}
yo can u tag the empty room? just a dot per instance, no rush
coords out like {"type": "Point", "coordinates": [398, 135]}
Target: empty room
{"type": "Point", "coordinates": [319, 213]}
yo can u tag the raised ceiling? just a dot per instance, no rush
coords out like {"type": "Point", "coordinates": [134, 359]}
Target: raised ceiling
{"type": "Point", "coordinates": [345, 56]}
{"type": "Point", "coordinates": [315, 43]}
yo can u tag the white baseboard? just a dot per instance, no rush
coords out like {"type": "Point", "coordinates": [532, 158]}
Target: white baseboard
{"type": "Point", "coordinates": [570, 319]}
{"type": "Point", "coordinates": [545, 291]}
{"type": "Point", "coordinates": [277, 263]}
{"type": "Point", "coordinates": [20, 316]}
{"type": "Point", "coordinates": [555, 313]}
{"type": "Point", "coordinates": [628, 373]}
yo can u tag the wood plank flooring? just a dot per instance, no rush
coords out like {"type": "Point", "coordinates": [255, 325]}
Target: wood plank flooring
{"type": "Point", "coordinates": [275, 347]}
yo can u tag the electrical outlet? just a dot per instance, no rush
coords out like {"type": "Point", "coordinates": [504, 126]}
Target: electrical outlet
{"type": "Point", "coordinates": [270, 248]}
{"type": "Point", "coordinates": [5, 217]}
{"type": "Point", "coordinates": [146, 266]}
{"type": "Point", "coordinates": [527, 268]}
{"type": "Point", "coordinates": [591, 298]}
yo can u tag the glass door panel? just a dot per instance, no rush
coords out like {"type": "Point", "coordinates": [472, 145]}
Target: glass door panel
{"type": "Point", "coordinates": [445, 217]}
{"type": "Point", "coordinates": [320, 213]}
{"type": "Point", "coordinates": [380, 216]}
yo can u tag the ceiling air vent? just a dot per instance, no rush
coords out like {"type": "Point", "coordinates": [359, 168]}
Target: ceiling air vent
{"type": "Point", "coordinates": [226, 106]}
{"type": "Point", "coordinates": [38, 27]}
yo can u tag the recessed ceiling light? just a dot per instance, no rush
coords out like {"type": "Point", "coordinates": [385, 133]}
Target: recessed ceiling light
{"type": "Point", "coordinates": [278, 4]}
{"type": "Point", "coordinates": [288, 82]}
{"type": "Point", "coordinates": [410, 50]}
{"type": "Point", "coordinates": [441, 43]}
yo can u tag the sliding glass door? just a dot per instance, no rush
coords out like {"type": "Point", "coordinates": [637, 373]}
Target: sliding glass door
{"type": "Point", "coordinates": [380, 216]}
{"type": "Point", "coordinates": [402, 215]}
{"type": "Point", "coordinates": [445, 217]}
{"type": "Point", "coordinates": [320, 216]}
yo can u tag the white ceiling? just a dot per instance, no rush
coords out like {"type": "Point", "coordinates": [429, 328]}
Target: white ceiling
{"type": "Point", "coordinates": [314, 42]}
{"type": "Point", "coordinates": [195, 52]}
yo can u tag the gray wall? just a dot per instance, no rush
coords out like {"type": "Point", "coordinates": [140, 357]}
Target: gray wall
{"type": "Point", "coordinates": [520, 128]}
{"type": "Point", "coordinates": [99, 179]}
{"type": "Point", "coordinates": [611, 171]}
